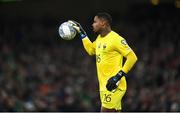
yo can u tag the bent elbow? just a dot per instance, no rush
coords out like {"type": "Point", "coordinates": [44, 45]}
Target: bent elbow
{"type": "Point", "coordinates": [133, 57]}
{"type": "Point", "coordinates": [91, 53]}
{"type": "Point", "coordinates": [136, 58]}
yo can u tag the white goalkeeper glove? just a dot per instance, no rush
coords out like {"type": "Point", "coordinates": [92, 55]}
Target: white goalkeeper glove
{"type": "Point", "coordinates": [78, 28]}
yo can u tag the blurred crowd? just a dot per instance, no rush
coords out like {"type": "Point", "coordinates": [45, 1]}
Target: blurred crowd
{"type": "Point", "coordinates": [154, 84]}
{"type": "Point", "coordinates": [41, 72]}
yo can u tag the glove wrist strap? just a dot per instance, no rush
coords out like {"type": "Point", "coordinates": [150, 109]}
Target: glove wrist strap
{"type": "Point", "coordinates": [82, 35]}
{"type": "Point", "coordinates": [120, 74]}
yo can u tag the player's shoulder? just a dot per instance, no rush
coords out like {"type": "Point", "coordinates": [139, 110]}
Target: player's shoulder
{"type": "Point", "coordinates": [116, 36]}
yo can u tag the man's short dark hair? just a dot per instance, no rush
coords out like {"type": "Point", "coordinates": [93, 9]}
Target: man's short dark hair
{"type": "Point", "coordinates": [105, 16]}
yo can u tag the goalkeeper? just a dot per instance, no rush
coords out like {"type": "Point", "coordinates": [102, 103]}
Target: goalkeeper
{"type": "Point", "coordinates": [109, 48]}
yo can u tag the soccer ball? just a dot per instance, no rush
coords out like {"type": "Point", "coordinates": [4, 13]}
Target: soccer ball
{"type": "Point", "coordinates": [66, 31]}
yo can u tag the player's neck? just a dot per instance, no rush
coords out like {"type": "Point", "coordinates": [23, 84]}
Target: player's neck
{"type": "Point", "coordinates": [105, 31]}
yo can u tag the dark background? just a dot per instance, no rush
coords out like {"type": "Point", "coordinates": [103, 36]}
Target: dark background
{"type": "Point", "coordinates": [39, 71]}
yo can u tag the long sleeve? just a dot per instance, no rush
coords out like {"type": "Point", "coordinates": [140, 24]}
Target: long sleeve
{"type": "Point", "coordinates": [123, 48]}
{"type": "Point", "coordinates": [131, 59]}
{"type": "Point", "coordinates": [89, 46]}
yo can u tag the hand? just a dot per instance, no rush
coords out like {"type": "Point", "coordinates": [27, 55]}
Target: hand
{"type": "Point", "coordinates": [114, 81]}
{"type": "Point", "coordinates": [78, 28]}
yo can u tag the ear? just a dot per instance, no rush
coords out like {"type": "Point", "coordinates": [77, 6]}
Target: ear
{"type": "Point", "coordinates": [103, 23]}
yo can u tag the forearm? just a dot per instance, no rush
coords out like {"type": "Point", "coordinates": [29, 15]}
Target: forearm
{"type": "Point", "coordinates": [131, 59]}
{"type": "Point", "coordinates": [88, 45]}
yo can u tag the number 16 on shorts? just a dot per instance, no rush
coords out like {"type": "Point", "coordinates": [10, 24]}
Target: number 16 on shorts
{"type": "Point", "coordinates": [107, 98]}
